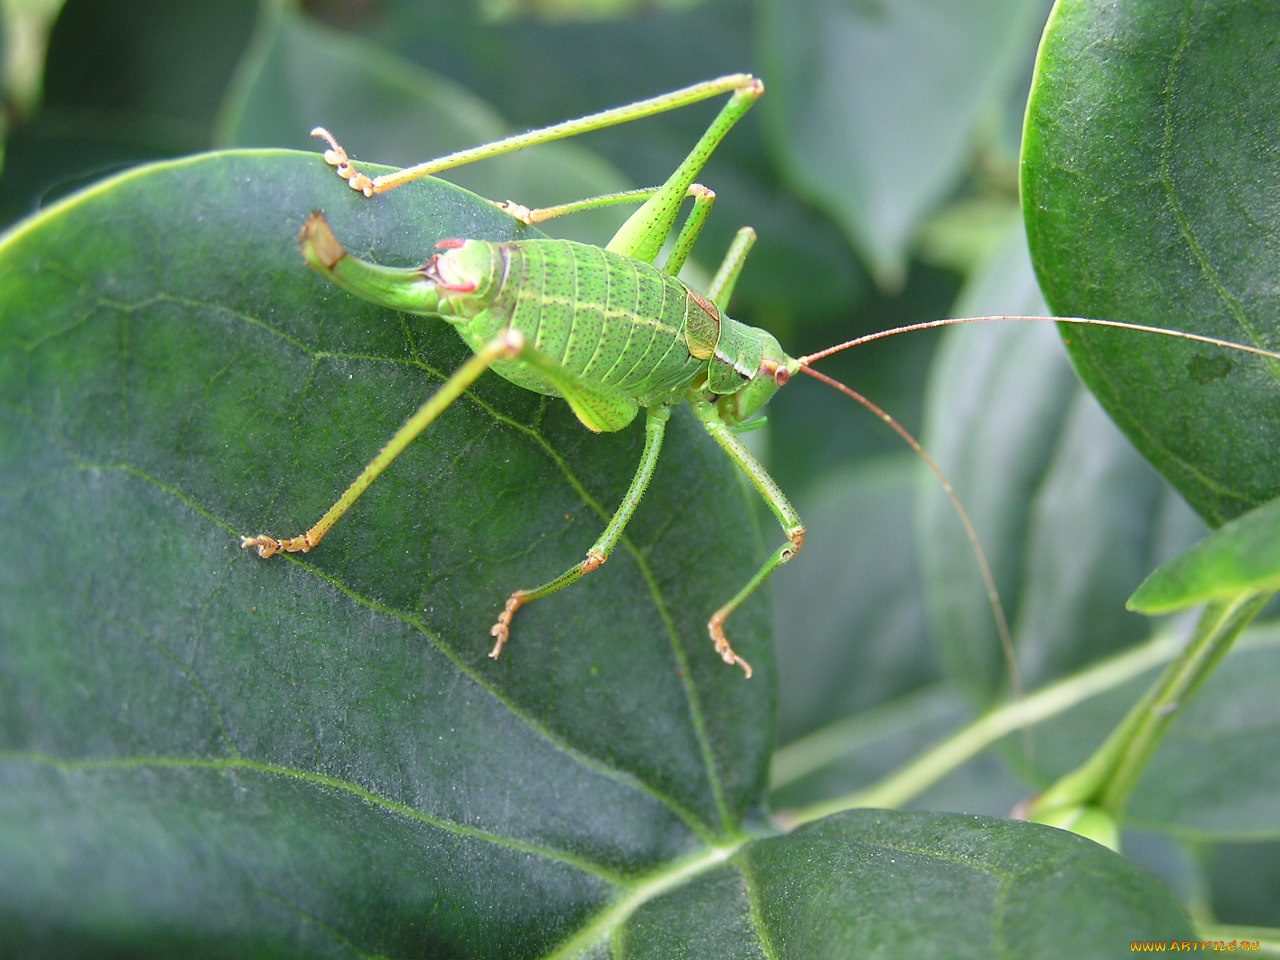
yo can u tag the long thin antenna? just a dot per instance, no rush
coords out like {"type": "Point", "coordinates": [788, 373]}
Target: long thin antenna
{"type": "Point", "coordinates": [1085, 321]}
{"type": "Point", "coordinates": [984, 567]}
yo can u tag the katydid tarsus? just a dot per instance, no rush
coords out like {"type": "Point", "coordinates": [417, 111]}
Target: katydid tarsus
{"type": "Point", "coordinates": [607, 330]}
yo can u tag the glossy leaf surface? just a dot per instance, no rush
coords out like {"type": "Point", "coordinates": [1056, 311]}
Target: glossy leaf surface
{"type": "Point", "coordinates": [1151, 190]}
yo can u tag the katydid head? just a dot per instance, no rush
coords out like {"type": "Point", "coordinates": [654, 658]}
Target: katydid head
{"type": "Point", "coordinates": [774, 371]}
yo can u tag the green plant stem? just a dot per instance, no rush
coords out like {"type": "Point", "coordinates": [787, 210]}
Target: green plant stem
{"type": "Point", "coordinates": [1267, 938]}
{"type": "Point", "coordinates": [1107, 779]}
{"type": "Point", "coordinates": [958, 749]}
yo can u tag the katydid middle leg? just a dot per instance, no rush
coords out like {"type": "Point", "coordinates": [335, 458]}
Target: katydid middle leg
{"type": "Point", "coordinates": [655, 426]}
{"type": "Point", "coordinates": [707, 411]}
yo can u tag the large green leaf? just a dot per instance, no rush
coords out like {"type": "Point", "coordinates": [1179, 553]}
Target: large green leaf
{"type": "Point", "coordinates": [173, 375]}
{"type": "Point", "coordinates": [869, 883]}
{"type": "Point", "coordinates": [1150, 186]}
{"type": "Point", "coordinates": [203, 753]}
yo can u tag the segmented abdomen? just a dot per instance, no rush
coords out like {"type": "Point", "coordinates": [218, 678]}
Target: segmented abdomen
{"type": "Point", "coordinates": [604, 316]}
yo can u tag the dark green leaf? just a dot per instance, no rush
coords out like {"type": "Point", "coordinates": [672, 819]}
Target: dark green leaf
{"type": "Point", "coordinates": [917, 884]}
{"type": "Point", "coordinates": [328, 730]}
{"type": "Point", "coordinates": [1150, 185]}
{"type": "Point", "coordinates": [1242, 555]}
{"type": "Point", "coordinates": [202, 753]}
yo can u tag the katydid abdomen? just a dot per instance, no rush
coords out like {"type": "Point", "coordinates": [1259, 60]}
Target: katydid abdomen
{"type": "Point", "coordinates": [615, 322]}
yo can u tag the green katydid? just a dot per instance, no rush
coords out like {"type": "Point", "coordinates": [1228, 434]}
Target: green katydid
{"type": "Point", "coordinates": [605, 329]}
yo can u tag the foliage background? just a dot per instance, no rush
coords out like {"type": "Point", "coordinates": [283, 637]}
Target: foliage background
{"type": "Point", "coordinates": [881, 173]}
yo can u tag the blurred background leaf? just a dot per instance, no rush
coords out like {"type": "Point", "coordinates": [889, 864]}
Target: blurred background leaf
{"type": "Point", "coordinates": [879, 106]}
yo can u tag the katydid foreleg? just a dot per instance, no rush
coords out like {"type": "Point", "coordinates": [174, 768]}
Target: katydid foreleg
{"type": "Point", "coordinates": [768, 488]}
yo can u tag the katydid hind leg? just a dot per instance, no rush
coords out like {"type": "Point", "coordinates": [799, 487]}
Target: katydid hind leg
{"type": "Point", "coordinates": [744, 89]}
{"type": "Point", "coordinates": [646, 230]}
{"type": "Point", "coordinates": [506, 346]}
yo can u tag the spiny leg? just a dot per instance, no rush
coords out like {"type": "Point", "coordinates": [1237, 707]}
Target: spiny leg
{"type": "Point", "coordinates": [532, 215]}
{"type": "Point", "coordinates": [726, 278]}
{"type": "Point", "coordinates": [508, 345]}
{"type": "Point", "coordinates": [646, 230]}
{"type": "Point", "coordinates": [655, 426]}
{"type": "Point", "coordinates": [337, 157]}
{"type": "Point", "coordinates": [703, 199]}
{"type": "Point", "coordinates": [768, 488]}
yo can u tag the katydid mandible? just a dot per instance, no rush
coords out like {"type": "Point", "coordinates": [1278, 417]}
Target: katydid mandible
{"type": "Point", "coordinates": [607, 330]}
